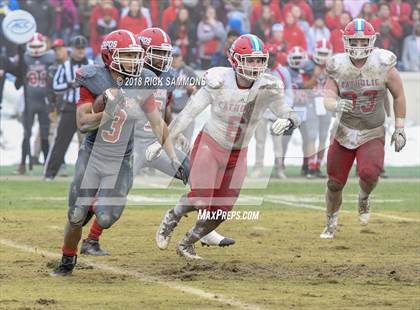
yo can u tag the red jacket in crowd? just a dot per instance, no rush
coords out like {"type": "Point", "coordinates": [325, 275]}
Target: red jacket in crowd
{"type": "Point", "coordinates": [401, 11]}
{"type": "Point", "coordinates": [332, 22]}
{"type": "Point", "coordinates": [257, 11]}
{"type": "Point", "coordinates": [336, 40]}
{"type": "Point", "coordinates": [280, 49]}
{"type": "Point", "coordinates": [294, 36]}
{"type": "Point", "coordinates": [97, 13]}
{"type": "Point", "coordinates": [154, 12]}
{"type": "Point", "coordinates": [307, 13]}
{"type": "Point", "coordinates": [169, 15]}
{"type": "Point", "coordinates": [395, 27]}
{"type": "Point", "coordinates": [133, 24]}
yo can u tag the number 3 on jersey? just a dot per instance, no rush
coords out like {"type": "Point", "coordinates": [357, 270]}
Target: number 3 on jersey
{"type": "Point", "coordinates": [113, 135]}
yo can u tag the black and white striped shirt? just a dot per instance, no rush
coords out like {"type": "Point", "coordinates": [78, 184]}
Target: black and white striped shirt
{"type": "Point", "coordinates": [65, 74]}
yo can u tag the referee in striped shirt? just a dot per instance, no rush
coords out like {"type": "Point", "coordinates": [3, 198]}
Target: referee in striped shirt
{"type": "Point", "coordinates": [64, 82]}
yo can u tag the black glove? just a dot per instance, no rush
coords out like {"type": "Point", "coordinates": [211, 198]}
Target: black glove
{"type": "Point", "coordinates": [181, 173]}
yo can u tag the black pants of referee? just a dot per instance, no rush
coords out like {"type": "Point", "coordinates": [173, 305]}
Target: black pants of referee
{"type": "Point", "coordinates": [66, 129]}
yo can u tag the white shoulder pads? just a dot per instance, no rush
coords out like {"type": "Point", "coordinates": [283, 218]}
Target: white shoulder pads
{"type": "Point", "coordinates": [387, 58]}
{"type": "Point", "coordinates": [332, 66]}
{"type": "Point", "coordinates": [269, 81]}
{"type": "Point", "coordinates": [215, 77]}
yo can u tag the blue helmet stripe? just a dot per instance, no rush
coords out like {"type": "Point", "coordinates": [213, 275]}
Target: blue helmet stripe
{"type": "Point", "coordinates": [360, 24]}
{"type": "Point", "coordinates": [256, 46]}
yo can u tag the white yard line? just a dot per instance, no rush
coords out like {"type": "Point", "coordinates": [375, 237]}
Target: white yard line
{"type": "Point", "coordinates": [137, 275]}
{"type": "Point", "coordinates": [276, 199]}
{"type": "Point", "coordinates": [170, 200]}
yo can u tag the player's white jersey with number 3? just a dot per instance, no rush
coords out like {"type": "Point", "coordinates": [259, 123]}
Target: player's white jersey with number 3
{"type": "Point", "coordinates": [235, 112]}
{"type": "Point", "coordinates": [366, 87]}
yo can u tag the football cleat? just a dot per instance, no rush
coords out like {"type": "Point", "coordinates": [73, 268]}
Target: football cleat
{"type": "Point", "coordinates": [364, 211]}
{"type": "Point", "coordinates": [331, 227]}
{"type": "Point", "coordinates": [215, 239]}
{"type": "Point", "coordinates": [187, 251]}
{"type": "Point", "coordinates": [166, 227]}
{"type": "Point", "coordinates": [92, 247]}
{"type": "Point", "coordinates": [65, 267]}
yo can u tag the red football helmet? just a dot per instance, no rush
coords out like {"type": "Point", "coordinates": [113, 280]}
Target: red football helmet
{"type": "Point", "coordinates": [115, 46]}
{"type": "Point", "coordinates": [296, 57]}
{"type": "Point", "coordinates": [158, 47]}
{"type": "Point", "coordinates": [248, 56]}
{"type": "Point", "coordinates": [359, 29]}
{"type": "Point", "coordinates": [323, 51]}
{"type": "Point", "coordinates": [37, 46]}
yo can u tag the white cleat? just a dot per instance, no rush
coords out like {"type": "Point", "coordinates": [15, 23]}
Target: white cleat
{"type": "Point", "coordinates": [328, 233]}
{"type": "Point", "coordinates": [187, 251]}
{"type": "Point", "coordinates": [166, 227]}
{"type": "Point", "coordinates": [364, 211]}
{"type": "Point", "coordinates": [215, 239]}
{"type": "Point", "coordinates": [331, 227]}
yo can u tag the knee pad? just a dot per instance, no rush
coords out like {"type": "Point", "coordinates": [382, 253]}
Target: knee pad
{"type": "Point", "coordinates": [77, 216]}
{"type": "Point", "coordinates": [106, 219]}
{"type": "Point", "coordinates": [334, 186]}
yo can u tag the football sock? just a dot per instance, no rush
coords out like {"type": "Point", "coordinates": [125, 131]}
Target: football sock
{"type": "Point", "coordinates": [363, 195]}
{"type": "Point", "coordinates": [200, 229]}
{"type": "Point", "coordinates": [69, 252]}
{"type": "Point", "coordinates": [183, 207]}
{"type": "Point", "coordinates": [95, 231]}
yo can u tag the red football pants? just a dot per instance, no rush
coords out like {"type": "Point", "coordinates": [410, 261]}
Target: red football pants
{"type": "Point", "coordinates": [216, 174]}
{"type": "Point", "coordinates": [369, 156]}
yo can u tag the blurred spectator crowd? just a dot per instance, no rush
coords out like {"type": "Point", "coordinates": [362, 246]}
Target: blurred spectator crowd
{"type": "Point", "coordinates": [204, 29]}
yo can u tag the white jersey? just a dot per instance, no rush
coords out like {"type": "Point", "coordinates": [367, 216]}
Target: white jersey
{"type": "Point", "coordinates": [366, 86]}
{"type": "Point", "coordinates": [235, 112]}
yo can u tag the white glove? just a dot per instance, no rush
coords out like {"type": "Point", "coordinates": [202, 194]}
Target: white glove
{"type": "Point", "coordinates": [398, 137]}
{"type": "Point", "coordinates": [280, 126]}
{"type": "Point", "coordinates": [344, 105]}
{"type": "Point", "coordinates": [153, 151]}
{"type": "Point", "coordinates": [183, 143]}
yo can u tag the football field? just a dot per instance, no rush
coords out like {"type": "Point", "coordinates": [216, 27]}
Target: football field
{"type": "Point", "coordinates": [278, 261]}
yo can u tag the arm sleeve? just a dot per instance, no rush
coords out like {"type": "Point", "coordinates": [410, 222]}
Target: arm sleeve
{"type": "Point", "coordinates": [59, 82]}
{"type": "Point", "coordinates": [278, 105]}
{"type": "Point", "coordinates": [85, 96]}
{"type": "Point", "coordinates": [195, 105]}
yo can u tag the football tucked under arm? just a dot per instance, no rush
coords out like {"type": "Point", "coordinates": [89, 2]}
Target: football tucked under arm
{"type": "Point", "coordinates": [99, 104]}
{"type": "Point", "coordinates": [86, 118]}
